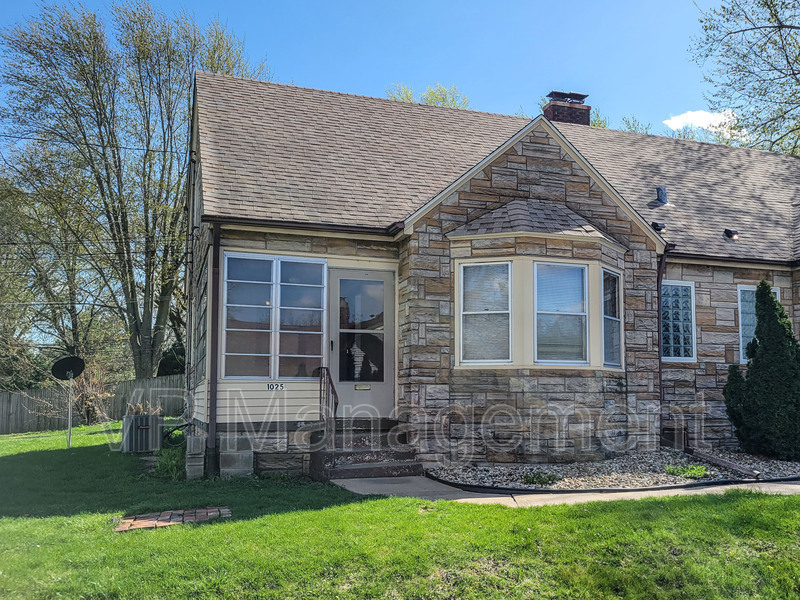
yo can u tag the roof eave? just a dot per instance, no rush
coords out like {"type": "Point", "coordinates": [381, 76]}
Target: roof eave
{"type": "Point", "coordinates": [389, 231]}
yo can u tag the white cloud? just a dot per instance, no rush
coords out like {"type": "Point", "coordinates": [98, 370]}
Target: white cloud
{"type": "Point", "coordinates": [700, 118]}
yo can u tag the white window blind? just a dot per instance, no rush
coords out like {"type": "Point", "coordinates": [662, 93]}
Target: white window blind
{"type": "Point", "coordinates": [486, 312]}
{"type": "Point", "coordinates": [561, 316]}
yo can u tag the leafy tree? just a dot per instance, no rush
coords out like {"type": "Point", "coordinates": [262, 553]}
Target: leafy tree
{"type": "Point", "coordinates": [21, 368]}
{"type": "Point", "coordinates": [765, 406]}
{"type": "Point", "coordinates": [173, 362]}
{"type": "Point", "coordinates": [751, 49]}
{"type": "Point", "coordinates": [597, 119]}
{"type": "Point", "coordinates": [114, 100]}
{"type": "Point", "coordinates": [635, 125]}
{"type": "Point", "coordinates": [435, 95]}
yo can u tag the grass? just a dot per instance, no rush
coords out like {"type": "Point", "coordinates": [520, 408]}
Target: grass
{"type": "Point", "coordinates": [291, 538]}
{"type": "Point", "coordinates": [691, 471]}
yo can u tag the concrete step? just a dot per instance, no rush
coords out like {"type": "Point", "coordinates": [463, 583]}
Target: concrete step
{"type": "Point", "coordinates": [372, 440]}
{"type": "Point", "coordinates": [362, 455]}
{"type": "Point", "coordinates": [365, 424]}
{"type": "Point", "coordinates": [379, 469]}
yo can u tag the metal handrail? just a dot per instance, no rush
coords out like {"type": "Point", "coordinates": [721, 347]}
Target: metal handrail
{"type": "Point", "coordinates": [328, 406]}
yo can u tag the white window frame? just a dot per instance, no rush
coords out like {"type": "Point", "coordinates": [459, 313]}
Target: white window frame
{"type": "Point", "coordinates": [752, 288]}
{"type": "Point", "coordinates": [681, 359]}
{"type": "Point", "coordinates": [275, 306]}
{"type": "Point", "coordinates": [584, 314]}
{"type": "Point", "coordinates": [462, 313]}
{"type": "Point", "coordinates": [620, 309]}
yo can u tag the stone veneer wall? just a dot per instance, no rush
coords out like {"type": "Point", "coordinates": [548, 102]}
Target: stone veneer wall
{"type": "Point", "coordinates": [693, 391]}
{"type": "Point", "coordinates": [535, 414]}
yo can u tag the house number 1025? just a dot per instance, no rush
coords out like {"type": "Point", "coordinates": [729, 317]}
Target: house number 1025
{"type": "Point", "coordinates": [275, 387]}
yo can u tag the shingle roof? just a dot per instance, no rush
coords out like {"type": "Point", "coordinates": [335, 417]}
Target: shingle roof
{"type": "Point", "coordinates": [285, 153]}
{"type": "Point", "coordinates": [281, 152]}
{"type": "Point", "coordinates": [710, 188]}
{"type": "Point", "coordinates": [535, 216]}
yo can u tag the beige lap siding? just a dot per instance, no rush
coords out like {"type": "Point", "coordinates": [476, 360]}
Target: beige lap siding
{"type": "Point", "coordinates": [248, 401]}
{"type": "Point", "coordinates": [693, 391]}
{"type": "Point", "coordinates": [200, 403]}
{"type": "Point", "coordinates": [558, 413]}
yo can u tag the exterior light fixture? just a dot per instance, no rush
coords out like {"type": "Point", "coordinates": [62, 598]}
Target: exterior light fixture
{"type": "Point", "coordinates": [732, 234]}
{"type": "Point", "coordinates": [658, 226]}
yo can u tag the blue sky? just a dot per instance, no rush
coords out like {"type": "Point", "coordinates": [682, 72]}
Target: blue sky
{"type": "Point", "coordinates": [631, 57]}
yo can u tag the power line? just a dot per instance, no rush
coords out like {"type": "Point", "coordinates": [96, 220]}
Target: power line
{"type": "Point", "coordinates": [47, 141]}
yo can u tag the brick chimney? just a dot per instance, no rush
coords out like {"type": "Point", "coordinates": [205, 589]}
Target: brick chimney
{"type": "Point", "coordinates": [567, 107]}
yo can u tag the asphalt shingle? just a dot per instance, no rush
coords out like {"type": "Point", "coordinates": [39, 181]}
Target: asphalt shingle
{"type": "Point", "coordinates": [285, 153]}
{"type": "Point", "coordinates": [534, 216]}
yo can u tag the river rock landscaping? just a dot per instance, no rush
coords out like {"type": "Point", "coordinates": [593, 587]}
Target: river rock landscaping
{"type": "Point", "coordinates": [644, 469]}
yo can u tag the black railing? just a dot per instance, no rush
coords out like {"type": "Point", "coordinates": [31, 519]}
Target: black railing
{"type": "Point", "coordinates": [328, 405]}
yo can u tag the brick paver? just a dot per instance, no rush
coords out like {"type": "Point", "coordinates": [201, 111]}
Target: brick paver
{"type": "Point", "coordinates": [173, 517]}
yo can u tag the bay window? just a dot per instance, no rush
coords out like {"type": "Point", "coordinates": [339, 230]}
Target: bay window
{"type": "Point", "coordinates": [561, 328]}
{"type": "Point", "coordinates": [524, 313]}
{"type": "Point", "coordinates": [274, 313]}
{"type": "Point", "coordinates": [486, 312]}
{"type": "Point", "coordinates": [612, 341]}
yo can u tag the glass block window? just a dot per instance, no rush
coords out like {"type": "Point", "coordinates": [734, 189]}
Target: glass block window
{"type": "Point", "coordinates": [561, 315]}
{"type": "Point", "coordinates": [486, 312]}
{"type": "Point", "coordinates": [273, 317]}
{"type": "Point", "coordinates": [747, 317]}
{"type": "Point", "coordinates": [612, 322]}
{"type": "Point", "coordinates": [677, 321]}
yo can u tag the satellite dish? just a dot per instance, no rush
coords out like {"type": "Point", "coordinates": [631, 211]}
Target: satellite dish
{"type": "Point", "coordinates": [68, 367]}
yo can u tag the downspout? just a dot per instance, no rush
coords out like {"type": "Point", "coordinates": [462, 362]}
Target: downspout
{"type": "Point", "coordinates": [662, 264]}
{"type": "Point", "coordinates": [212, 460]}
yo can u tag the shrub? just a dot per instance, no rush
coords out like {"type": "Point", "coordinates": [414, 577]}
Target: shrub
{"type": "Point", "coordinates": [692, 471]}
{"type": "Point", "coordinates": [539, 478]}
{"type": "Point", "coordinates": [764, 407]}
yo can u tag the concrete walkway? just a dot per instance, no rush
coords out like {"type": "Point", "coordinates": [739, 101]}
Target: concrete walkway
{"type": "Point", "coordinates": [427, 489]}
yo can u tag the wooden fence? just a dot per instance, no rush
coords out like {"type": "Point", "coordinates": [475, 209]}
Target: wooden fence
{"type": "Point", "coordinates": [166, 393]}
{"type": "Point", "coordinates": [46, 410]}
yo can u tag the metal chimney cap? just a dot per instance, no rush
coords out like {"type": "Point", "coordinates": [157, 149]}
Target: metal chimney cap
{"type": "Point", "coordinates": [571, 97]}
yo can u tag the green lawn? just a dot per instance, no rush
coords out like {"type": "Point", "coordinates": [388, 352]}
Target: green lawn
{"type": "Point", "coordinates": [290, 538]}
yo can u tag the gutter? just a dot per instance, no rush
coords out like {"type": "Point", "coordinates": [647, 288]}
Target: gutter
{"type": "Point", "coordinates": [662, 263]}
{"type": "Point", "coordinates": [389, 231]}
{"type": "Point", "coordinates": [749, 260]}
{"type": "Point", "coordinates": [212, 460]}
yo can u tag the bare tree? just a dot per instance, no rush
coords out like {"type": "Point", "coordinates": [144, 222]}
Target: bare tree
{"type": "Point", "coordinates": [117, 98]}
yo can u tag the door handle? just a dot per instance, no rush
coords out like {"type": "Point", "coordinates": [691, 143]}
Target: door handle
{"type": "Point", "coordinates": [331, 345]}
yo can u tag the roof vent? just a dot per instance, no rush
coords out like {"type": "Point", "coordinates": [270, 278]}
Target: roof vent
{"type": "Point", "coordinates": [567, 107]}
{"type": "Point", "coordinates": [661, 195]}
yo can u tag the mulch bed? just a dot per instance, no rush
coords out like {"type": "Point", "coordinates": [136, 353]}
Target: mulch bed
{"type": "Point", "coordinates": [173, 517]}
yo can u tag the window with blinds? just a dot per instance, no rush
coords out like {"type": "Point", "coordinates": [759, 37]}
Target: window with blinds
{"type": "Point", "coordinates": [561, 332]}
{"type": "Point", "coordinates": [486, 312]}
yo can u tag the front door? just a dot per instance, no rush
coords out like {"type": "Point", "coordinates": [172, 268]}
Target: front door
{"type": "Point", "coordinates": [362, 341]}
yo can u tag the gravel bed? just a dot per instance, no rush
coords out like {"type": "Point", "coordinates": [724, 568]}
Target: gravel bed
{"type": "Point", "coordinates": [644, 469]}
{"type": "Point", "coordinates": [769, 467]}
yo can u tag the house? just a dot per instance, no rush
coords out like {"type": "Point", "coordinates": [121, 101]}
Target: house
{"type": "Point", "coordinates": [495, 288]}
